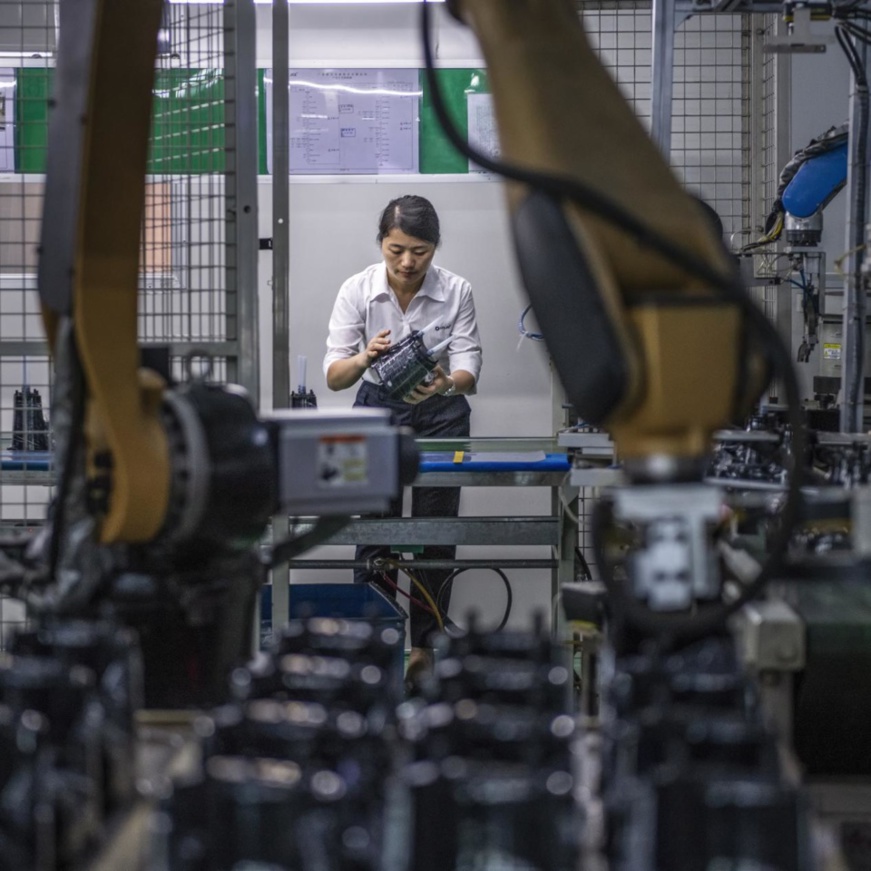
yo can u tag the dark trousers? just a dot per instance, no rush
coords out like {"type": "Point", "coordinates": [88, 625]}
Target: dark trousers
{"type": "Point", "coordinates": [436, 417]}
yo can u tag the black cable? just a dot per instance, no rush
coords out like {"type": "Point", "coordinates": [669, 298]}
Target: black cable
{"type": "Point", "coordinates": [849, 14]}
{"type": "Point", "coordinates": [753, 246]}
{"type": "Point", "coordinates": [585, 566]}
{"type": "Point", "coordinates": [861, 33]}
{"type": "Point", "coordinates": [448, 582]}
{"type": "Point", "coordinates": [290, 548]}
{"type": "Point", "coordinates": [729, 286]}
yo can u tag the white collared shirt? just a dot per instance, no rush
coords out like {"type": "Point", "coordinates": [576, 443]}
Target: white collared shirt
{"type": "Point", "coordinates": [366, 304]}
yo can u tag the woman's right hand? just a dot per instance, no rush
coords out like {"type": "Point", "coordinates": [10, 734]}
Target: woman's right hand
{"type": "Point", "coordinates": [376, 347]}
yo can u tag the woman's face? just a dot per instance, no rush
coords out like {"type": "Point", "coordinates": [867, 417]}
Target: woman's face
{"type": "Point", "coordinates": [407, 259]}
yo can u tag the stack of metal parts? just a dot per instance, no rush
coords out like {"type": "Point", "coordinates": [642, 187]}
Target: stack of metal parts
{"type": "Point", "coordinates": [691, 777]}
{"type": "Point", "coordinates": [29, 426]}
{"type": "Point", "coordinates": [757, 456]}
{"type": "Point", "coordinates": [844, 459]}
{"type": "Point", "coordinates": [752, 459]}
{"type": "Point", "coordinates": [295, 771]}
{"type": "Point", "coordinates": [68, 694]}
{"type": "Point", "coordinates": [492, 770]}
{"type": "Point", "coordinates": [835, 464]}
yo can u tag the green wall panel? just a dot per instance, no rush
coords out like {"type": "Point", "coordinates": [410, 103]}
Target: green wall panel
{"type": "Point", "coordinates": [437, 155]}
{"type": "Point", "coordinates": [32, 91]}
{"type": "Point", "coordinates": [187, 124]}
{"type": "Point", "coordinates": [262, 165]}
{"type": "Point", "coordinates": [187, 134]}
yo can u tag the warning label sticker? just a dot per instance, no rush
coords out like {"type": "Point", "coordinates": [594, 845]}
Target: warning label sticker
{"type": "Point", "coordinates": [831, 352]}
{"type": "Point", "coordinates": [342, 461]}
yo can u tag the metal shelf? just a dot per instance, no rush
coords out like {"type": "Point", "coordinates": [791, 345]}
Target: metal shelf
{"type": "Point", "coordinates": [521, 531]}
{"type": "Point", "coordinates": [557, 530]}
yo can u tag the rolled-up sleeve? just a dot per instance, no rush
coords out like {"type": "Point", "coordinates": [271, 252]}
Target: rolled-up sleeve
{"type": "Point", "coordinates": [347, 327]}
{"type": "Point", "coordinates": [464, 351]}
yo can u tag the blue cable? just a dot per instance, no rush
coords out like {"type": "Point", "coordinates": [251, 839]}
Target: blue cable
{"type": "Point", "coordinates": [536, 337]}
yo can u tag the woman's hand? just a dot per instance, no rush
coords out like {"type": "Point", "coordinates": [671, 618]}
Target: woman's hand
{"type": "Point", "coordinates": [439, 384]}
{"type": "Point", "coordinates": [376, 347]}
{"type": "Point", "coordinates": [344, 373]}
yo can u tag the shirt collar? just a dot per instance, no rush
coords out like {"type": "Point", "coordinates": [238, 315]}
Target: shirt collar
{"type": "Point", "coordinates": [379, 286]}
{"type": "Point", "coordinates": [431, 286]}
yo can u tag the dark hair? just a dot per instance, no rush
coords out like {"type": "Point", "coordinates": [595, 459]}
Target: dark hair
{"type": "Point", "coordinates": [414, 216]}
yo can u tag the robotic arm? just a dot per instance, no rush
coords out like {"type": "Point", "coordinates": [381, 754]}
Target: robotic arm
{"type": "Point", "coordinates": [661, 358]}
{"type": "Point", "coordinates": [90, 252]}
{"type": "Point", "coordinates": [649, 330]}
{"type": "Point", "coordinates": [811, 179]}
{"type": "Point", "coordinates": [808, 183]}
{"type": "Point", "coordinates": [652, 337]}
{"type": "Point", "coordinates": [164, 493]}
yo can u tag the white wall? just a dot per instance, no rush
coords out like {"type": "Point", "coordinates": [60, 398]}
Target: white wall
{"type": "Point", "coordinates": [342, 35]}
{"type": "Point", "coordinates": [333, 222]}
{"type": "Point", "coordinates": [332, 236]}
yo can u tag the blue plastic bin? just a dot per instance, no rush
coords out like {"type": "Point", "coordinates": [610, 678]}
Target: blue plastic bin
{"type": "Point", "coordinates": [345, 601]}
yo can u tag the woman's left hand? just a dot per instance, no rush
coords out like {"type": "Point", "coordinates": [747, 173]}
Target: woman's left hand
{"type": "Point", "coordinates": [438, 385]}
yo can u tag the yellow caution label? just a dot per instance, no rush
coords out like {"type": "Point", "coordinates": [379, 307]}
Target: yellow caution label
{"type": "Point", "coordinates": [458, 456]}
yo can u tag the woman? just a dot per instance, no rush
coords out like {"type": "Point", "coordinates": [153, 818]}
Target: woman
{"type": "Point", "coordinates": [385, 303]}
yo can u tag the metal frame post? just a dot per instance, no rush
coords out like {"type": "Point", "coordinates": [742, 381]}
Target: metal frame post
{"type": "Point", "coordinates": [240, 82]}
{"type": "Point", "coordinates": [855, 304]}
{"type": "Point", "coordinates": [280, 267]}
{"type": "Point", "coordinates": [565, 500]}
{"type": "Point", "coordinates": [666, 18]}
{"type": "Point", "coordinates": [783, 295]}
{"type": "Point", "coordinates": [280, 205]}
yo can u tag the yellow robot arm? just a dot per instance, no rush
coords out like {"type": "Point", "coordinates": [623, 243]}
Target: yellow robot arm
{"type": "Point", "coordinates": [645, 318]}
{"type": "Point", "coordinates": [663, 367]}
{"type": "Point", "coordinates": [92, 253]}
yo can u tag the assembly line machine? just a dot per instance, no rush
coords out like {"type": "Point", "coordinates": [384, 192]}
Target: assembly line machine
{"type": "Point", "coordinates": [700, 700]}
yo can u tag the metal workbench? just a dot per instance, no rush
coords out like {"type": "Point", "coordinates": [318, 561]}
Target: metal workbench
{"type": "Point", "coordinates": [557, 530]}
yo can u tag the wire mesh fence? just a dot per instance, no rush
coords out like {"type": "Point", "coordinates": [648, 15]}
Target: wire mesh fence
{"type": "Point", "coordinates": [710, 121]}
{"type": "Point", "coordinates": [28, 38]}
{"type": "Point", "coordinates": [621, 35]}
{"type": "Point", "coordinates": [769, 168]}
{"type": "Point", "coordinates": [710, 106]}
{"type": "Point", "coordinates": [187, 292]}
